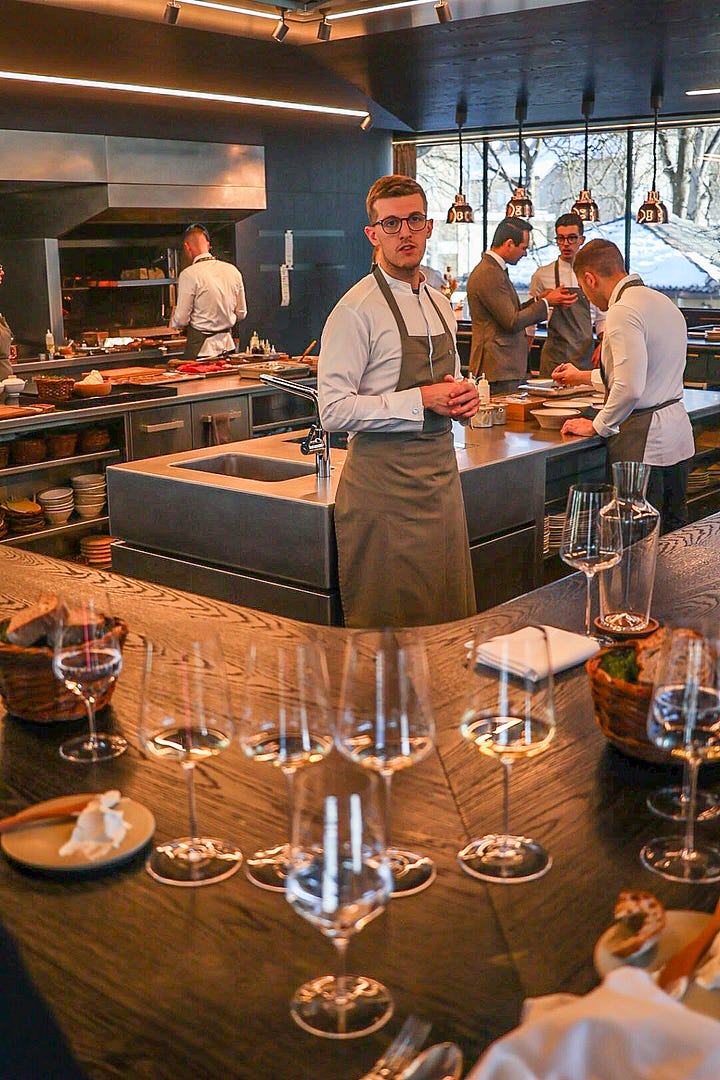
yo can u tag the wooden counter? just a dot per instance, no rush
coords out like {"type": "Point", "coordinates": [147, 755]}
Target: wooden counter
{"type": "Point", "coordinates": [153, 982]}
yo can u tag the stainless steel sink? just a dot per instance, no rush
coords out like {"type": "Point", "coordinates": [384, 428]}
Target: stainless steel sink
{"type": "Point", "coordinates": [249, 467]}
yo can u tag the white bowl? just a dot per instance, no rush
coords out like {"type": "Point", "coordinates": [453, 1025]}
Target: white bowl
{"type": "Point", "coordinates": [545, 384]}
{"type": "Point", "coordinates": [554, 418]}
{"type": "Point", "coordinates": [13, 385]}
{"type": "Point", "coordinates": [88, 512]}
{"type": "Point", "coordinates": [55, 507]}
{"type": "Point", "coordinates": [53, 494]}
{"type": "Point", "coordinates": [85, 479]}
{"type": "Point", "coordinates": [57, 517]}
{"type": "Point", "coordinates": [96, 500]}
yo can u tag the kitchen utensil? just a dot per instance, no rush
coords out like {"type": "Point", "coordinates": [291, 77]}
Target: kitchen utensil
{"type": "Point", "coordinates": [440, 1062]}
{"type": "Point", "coordinates": [685, 960]}
{"type": "Point", "coordinates": [43, 812]}
{"type": "Point", "coordinates": [309, 349]}
{"type": "Point", "coordinates": [401, 1050]}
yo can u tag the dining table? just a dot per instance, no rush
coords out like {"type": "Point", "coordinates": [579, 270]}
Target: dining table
{"type": "Point", "coordinates": [150, 981]}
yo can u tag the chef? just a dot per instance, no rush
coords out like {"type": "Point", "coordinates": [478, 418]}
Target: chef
{"type": "Point", "coordinates": [210, 298]}
{"type": "Point", "coordinates": [570, 329]}
{"type": "Point", "coordinates": [7, 349]}
{"type": "Point", "coordinates": [389, 374]}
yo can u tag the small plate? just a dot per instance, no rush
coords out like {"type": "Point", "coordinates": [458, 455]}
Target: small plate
{"type": "Point", "coordinates": [651, 627]}
{"type": "Point", "coordinates": [38, 846]}
{"type": "Point", "coordinates": [680, 928]}
{"type": "Point", "coordinates": [567, 403]}
{"type": "Point", "coordinates": [545, 384]}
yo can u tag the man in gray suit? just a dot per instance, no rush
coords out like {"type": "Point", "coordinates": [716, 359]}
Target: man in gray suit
{"type": "Point", "coordinates": [499, 342]}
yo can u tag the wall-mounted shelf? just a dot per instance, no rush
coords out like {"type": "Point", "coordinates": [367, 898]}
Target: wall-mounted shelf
{"type": "Point", "coordinates": [53, 463]}
{"type": "Point", "coordinates": [133, 283]}
{"type": "Point", "coordinates": [77, 526]}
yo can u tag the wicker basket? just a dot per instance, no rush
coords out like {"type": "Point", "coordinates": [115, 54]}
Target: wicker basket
{"type": "Point", "coordinates": [54, 388]}
{"type": "Point", "coordinates": [61, 444]}
{"type": "Point", "coordinates": [4, 455]}
{"type": "Point", "coordinates": [30, 691]}
{"type": "Point", "coordinates": [621, 710]}
{"type": "Point", "coordinates": [28, 451]}
{"type": "Point", "coordinates": [93, 440]}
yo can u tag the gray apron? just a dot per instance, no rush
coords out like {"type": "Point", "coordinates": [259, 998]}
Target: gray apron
{"type": "Point", "coordinates": [197, 338]}
{"type": "Point", "coordinates": [631, 439]}
{"type": "Point", "coordinates": [5, 343]}
{"type": "Point", "coordinates": [570, 334]}
{"type": "Point", "coordinates": [403, 554]}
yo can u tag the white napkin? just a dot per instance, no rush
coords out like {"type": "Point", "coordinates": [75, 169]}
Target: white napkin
{"type": "Point", "coordinates": [627, 1029]}
{"type": "Point", "coordinates": [99, 828]}
{"type": "Point", "coordinates": [523, 652]}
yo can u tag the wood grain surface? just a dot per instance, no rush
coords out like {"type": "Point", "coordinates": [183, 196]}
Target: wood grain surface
{"type": "Point", "coordinates": [150, 981]}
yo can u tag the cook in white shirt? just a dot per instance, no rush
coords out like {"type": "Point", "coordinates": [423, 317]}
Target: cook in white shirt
{"type": "Point", "coordinates": [642, 364]}
{"type": "Point", "coordinates": [210, 298]}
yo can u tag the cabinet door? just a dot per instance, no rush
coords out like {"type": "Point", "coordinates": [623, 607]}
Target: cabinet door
{"type": "Point", "coordinates": [164, 430]}
{"type": "Point", "coordinates": [504, 567]}
{"type": "Point", "coordinates": [231, 416]}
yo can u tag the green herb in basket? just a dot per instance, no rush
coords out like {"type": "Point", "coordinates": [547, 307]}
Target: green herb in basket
{"type": "Point", "coordinates": [621, 663]}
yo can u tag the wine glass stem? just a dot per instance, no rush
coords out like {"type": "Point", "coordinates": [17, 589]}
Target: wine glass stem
{"type": "Point", "coordinates": [506, 798]}
{"type": "Point", "coordinates": [189, 770]}
{"type": "Point", "coordinates": [90, 709]}
{"type": "Point", "coordinates": [588, 602]}
{"type": "Point", "coordinates": [290, 783]}
{"type": "Point", "coordinates": [689, 845]}
{"type": "Point", "coordinates": [341, 944]}
{"type": "Point", "coordinates": [387, 785]}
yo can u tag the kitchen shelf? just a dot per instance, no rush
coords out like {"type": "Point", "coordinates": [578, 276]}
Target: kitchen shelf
{"type": "Point", "coordinates": [70, 527]}
{"type": "Point", "coordinates": [52, 463]}
{"type": "Point", "coordinates": [131, 283]}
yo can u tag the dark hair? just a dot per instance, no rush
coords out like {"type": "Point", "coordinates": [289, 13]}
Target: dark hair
{"type": "Point", "coordinates": [392, 187]}
{"type": "Point", "coordinates": [511, 229]}
{"type": "Point", "coordinates": [600, 257]}
{"type": "Point", "coordinates": [196, 227]}
{"type": "Point", "coordinates": [568, 221]}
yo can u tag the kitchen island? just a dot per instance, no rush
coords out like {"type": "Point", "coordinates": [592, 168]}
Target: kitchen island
{"type": "Point", "coordinates": [159, 983]}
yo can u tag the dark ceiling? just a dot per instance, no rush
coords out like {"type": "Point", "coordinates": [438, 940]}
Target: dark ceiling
{"type": "Point", "coordinates": [410, 78]}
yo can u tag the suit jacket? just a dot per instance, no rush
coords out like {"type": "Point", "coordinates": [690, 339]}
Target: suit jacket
{"type": "Point", "coordinates": [499, 341]}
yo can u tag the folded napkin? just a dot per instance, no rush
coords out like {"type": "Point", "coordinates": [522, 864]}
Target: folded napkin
{"type": "Point", "coordinates": [627, 1029]}
{"type": "Point", "coordinates": [523, 652]}
{"type": "Point", "coordinates": [99, 828]}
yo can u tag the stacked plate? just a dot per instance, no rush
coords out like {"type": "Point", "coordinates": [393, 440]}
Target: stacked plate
{"type": "Point", "coordinates": [96, 550]}
{"type": "Point", "coordinates": [698, 480]}
{"type": "Point", "coordinates": [57, 503]}
{"type": "Point", "coordinates": [552, 532]}
{"type": "Point", "coordinates": [90, 494]}
{"type": "Point", "coordinates": [24, 515]}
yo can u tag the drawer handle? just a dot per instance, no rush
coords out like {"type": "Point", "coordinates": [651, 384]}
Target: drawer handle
{"type": "Point", "coordinates": [169, 425]}
{"type": "Point", "coordinates": [230, 416]}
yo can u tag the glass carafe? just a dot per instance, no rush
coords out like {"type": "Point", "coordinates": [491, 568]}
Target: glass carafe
{"type": "Point", "coordinates": [626, 588]}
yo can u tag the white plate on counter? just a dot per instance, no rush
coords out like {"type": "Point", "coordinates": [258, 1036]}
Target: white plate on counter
{"type": "Point", "coordinates": [569, 403]}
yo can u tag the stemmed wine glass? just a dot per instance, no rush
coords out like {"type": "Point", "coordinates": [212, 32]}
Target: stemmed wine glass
{"type": "Point", "coordinates": [592, 536]}
{"type": "Point", "coordinates": [339, 879]}
{"type": "Point", "coordinates": [385, 723]}
{"type": "Point", "coordinates": [509, 715]}
{"type": "Point", "coordinates": [684, 719]}
{"type": "Point", "coordinates": [87, 658]}
{"type": "Point", "coordinates": [284, 722]}
{"type": "Point", "coordinates": [674, 802]}
{"type": "Point", "coordinates": [186, 716]}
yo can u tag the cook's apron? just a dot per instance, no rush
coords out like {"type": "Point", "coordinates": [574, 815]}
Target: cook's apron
{"type": "Point", "coordinates": [631, 439]}
{"type": "Point", "coordinates": [403, 553]}
{"type": "Point", "coordinates": [570, 334]}
{"type": "Point", "coordinates": [5, 343]}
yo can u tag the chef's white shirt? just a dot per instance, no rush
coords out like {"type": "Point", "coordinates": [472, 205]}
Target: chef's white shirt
{"type": "Point", "coordinates": [544, 278]}
{"type": "Point", "coordinates": [210, 297]}
{"type": "Point", "coordinates": [644, 354]}
{"type": "Point", "coordinates": [360, 360]}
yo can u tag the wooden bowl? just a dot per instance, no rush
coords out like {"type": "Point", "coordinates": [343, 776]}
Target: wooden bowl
{"type": "Point", "coordinates": [86, 390]}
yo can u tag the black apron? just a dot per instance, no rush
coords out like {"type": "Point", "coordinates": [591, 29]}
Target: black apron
{"type": "Point", "coordinates": [631, 439]}
{"type": "Point", "coordinates": [5, 343]}
{"type": "Point", "coordinates": [197, 338]}
{"type": "Point", "coordinates": [403, 553]}
{"type": "Point", "coordinates": [570, 334]}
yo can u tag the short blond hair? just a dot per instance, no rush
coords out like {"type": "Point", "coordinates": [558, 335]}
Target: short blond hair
{"type": "Point", "coordinates": [392, 187]}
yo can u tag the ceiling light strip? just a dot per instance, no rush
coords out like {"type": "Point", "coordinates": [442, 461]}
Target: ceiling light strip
{"type": "Point", "coordinates": [378, 8]}
{"type": "Point", "coordinates": [232, 10]}
{"type": "Point", "coordinates": [171, 92]}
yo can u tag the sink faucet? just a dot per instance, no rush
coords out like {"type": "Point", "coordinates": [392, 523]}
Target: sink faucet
{"type": "Point", "coordinates": [317, 440]}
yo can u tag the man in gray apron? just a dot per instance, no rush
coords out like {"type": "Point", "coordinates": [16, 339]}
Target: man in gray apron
{"type": "Point", "coordinates": [389, 374]}
{"type": "Point", "coordinates": [210, 298]}
{"type": "Point", "coordinates": [7, 349]}
{"type": "Point", "coordinates": [641, 367]}
{"type": "Point", "coordinates": [570, 329]}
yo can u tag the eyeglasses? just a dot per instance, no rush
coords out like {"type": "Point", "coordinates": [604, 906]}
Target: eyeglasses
{"type": "Point", "coordinates": [391, 225]}
{"type": "Point", "coordinates": [567, 239]}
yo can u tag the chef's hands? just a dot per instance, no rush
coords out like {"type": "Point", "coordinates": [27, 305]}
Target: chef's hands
{"type": "Point", "coordinates": [578, 426]}
{"type": "Point", "coordinates": [569, 375]}
{"type": "Point", "coordinates": [459, 400]}
{"type": "Point", "coordinates": [560, 297]}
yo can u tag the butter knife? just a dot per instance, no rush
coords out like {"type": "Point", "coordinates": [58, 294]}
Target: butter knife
{"type": "Point", "coordinates": [35, 815]}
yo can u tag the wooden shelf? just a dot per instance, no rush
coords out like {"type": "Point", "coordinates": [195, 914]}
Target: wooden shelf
{"type": "Point", "coordinates": [52, 463]}
{"type": "Point", "coordinates": [77, 526]}
{"type": "Point", "coordinates": [131, 283]}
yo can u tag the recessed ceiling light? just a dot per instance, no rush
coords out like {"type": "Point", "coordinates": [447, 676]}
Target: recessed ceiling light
{"type": "Point", "coordinates": [699, 93]}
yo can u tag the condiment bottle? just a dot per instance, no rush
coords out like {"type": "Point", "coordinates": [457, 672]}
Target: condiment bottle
{"type": "Point", "coordinates": [483, 387]}
{"type": "Point", "coordinates": [49, 344]}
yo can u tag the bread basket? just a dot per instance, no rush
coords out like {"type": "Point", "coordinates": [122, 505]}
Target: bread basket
{"type": "Point", "coordinates": [621, 709]}
{"type": "Point", "coordinates": [28, 450]}
{"type": "Point", "coordinates": [93, 440]}
{"type": "Point", "coordinates": [61, 444]}
{"type": "Point", "coordinates": [30, 690]}
{"type": "Point", "coordinates": [54, 388]}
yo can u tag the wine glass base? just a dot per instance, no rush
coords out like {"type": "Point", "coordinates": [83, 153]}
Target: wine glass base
{"type": "Point", "coordinates": [193, 861]}
{"type": "Point", "coordinates": [666, 856]}
{"type": "Point", "coordinates": [86, 749]}
{"type": "Point", "coordinates": [268, 868]}
{"type": "Point", "coordinates": [669, 803]}
{"type": "Point", "coordinates": [341, 1009]}
{"type": "Point", "coordinates": [411, 873]}
{"type": "Point", "coordinates": [505, 859]}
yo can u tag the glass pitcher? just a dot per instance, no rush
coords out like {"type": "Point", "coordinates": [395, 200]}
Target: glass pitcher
{"type": "Point", "coordinates": [626, 588]}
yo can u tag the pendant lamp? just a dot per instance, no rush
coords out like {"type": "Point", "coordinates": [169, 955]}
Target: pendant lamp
{"type": "Point", "coordinates": [460, 213]}
{"type": "Point", "coordinates": [585, 207]}
{"type": "Point", "coordinates": [652, 211]}
{"type": "Point", "coordinates": [520, 204]}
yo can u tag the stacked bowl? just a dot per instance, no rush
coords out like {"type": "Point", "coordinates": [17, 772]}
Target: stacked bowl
{"type": "Point", "coordinates": [57, 504]}
{"type": "Point", "coordinates": [90, 494]}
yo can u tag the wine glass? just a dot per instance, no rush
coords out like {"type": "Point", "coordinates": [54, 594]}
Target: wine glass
{"type": "Point", "coordinates": [87, 658]}
{"type": "Point", "coordinates": [673, 802]}
{"type": "Point", "coordinates": [339, 879]}
{"type": "Point", "coordinates": [591, 537]}
{"type": "Point", "coordinates": [385, 723]}
{"type": "Point", "coordinates": [284, 722]}
{"type": "Point", "coordinates": [509, 716]}
{"type": "Point", "coordinates": [684, 719]}
{"type": "Point", "coordinates": [186, 716]}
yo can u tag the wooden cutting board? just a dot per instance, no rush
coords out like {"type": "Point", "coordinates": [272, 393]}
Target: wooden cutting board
{"type": "Point", "coordinates": [13, 412]}
{"type": "Point", "coordinates": [120, 374]}
{"type": "Point", "coordinates": [519, 409]}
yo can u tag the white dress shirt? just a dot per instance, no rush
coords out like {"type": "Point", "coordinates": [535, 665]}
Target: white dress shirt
{"type": "Point", "coordinates": [360, 359]}
{"type": "Point", "coordinates": [644, 355]}
{"type": "Point", "coordinates": [210, 297]}
{"type": "Point", "coordinates": [544, 278]}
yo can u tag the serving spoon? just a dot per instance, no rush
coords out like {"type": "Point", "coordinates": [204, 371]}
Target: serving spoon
{"type": "Point", "coordinates": [440, 1062]}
